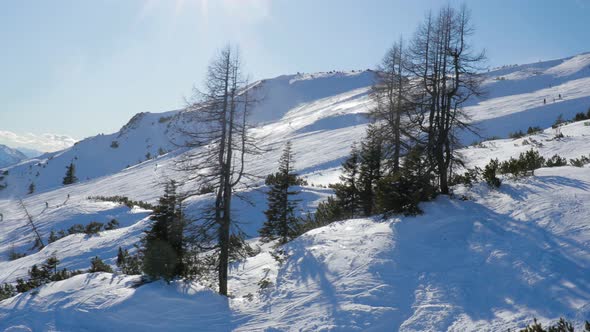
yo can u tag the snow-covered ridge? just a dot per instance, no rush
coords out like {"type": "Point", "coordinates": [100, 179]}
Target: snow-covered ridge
{"type": "Point", "coordinates": [303, 103]}
{"type": "Point", "coordinates": [9, 156]}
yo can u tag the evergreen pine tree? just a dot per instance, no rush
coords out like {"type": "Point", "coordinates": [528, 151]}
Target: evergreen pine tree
{"type": "Point", "coordinates": [70, 174]}
{"type": "Point", "coordinates": [369, 169]}
{"type": "Point", "coordinates": [121, 257]}
{"type": "Point", "coordinates": [31, 188]}
{"type": "Point", "coordinates": [97, 265]}
{"type": "Point", "coordinates": [347, 191]}
{"type": "Point", "coordinates": [163, 243]}
{"type": "Point", "coordinates": [52, 236]}
{"type": "Point", "coordinates": [281, 221]}
{"type": "Point", "coordinates": [401, 192]}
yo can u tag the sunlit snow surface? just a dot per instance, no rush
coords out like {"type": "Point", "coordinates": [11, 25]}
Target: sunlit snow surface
{"type": "Point", "coordinates": [488, 263]}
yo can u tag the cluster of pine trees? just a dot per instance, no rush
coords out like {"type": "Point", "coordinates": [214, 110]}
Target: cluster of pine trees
{"type": "Point", "coordinates": [408, 154]}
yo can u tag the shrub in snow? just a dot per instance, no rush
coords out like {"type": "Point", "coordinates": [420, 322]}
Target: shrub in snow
{"type": "Point", "coordinates": [128, 264]}
{"type": "Point", "coordinates": [39, 276]}
{"type": "Point", "coordinates": [468, 178]}
{"type": "Point", "coordinates": [113, 224]}
{"type": "Point", "coordinates": [93, 228]}
{"type": "Point", "coordinates": [14, 255]}
{"type": "Point", "coordinates": [97, 265]}
{"type": "Point", "coordinates": [526, 163]}
{"type": "Point", "coordinates": [7, 291]}
{"type": "Point", "coordinates": [556, 161]}
{"type": "Point", "coordinates": [76, 229]}
{"type": "Point", "coordinates": [580, 162]}
{"type": "Point", "coordinates": [123, 200]}
{"type": "Point", "coordinates": [533, 130]}
{"type": "Point", "coordinates": [52, 237]}
{"type": "Point", "coordinates": [517, 134]}
{"type": "Point", "coordinates": [489, 174]}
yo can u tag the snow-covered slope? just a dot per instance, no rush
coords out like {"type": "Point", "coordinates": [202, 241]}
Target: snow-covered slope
{"type": "Point", "coordinates": [487, 264]}
{"type": "Point", "coordinates": [9, 156]}
{"type": "Point", "coordinates": [292, 106]}
{"type": "Point", "coordinates": [463, 266]}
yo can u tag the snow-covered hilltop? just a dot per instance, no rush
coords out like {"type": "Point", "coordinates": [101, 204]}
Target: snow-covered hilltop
{"type": "Point", "coordinates": [487, 263]}
{"type": "Point", "coordinates": [9, 156]}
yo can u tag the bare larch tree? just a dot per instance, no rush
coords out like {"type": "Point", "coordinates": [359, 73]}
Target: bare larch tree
{"type": "Point", "coordinates": [447, 74]}
{"type": "Point", "coordinates": [219, 142]}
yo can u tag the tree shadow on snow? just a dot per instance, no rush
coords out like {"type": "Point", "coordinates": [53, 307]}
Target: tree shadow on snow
{"type": "Point", "coordinates": [463, 258]}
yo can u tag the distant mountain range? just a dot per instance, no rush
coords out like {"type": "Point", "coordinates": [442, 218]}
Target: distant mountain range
{"type": "Point", "coordinates": [10, 156]}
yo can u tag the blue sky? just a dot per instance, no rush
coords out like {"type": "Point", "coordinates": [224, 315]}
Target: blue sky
{"type": "Point", "coordinates": [80, 68]}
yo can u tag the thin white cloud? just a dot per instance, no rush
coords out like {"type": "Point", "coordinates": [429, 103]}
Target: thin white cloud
{"type": "Point", "coordinates": [43, 143]}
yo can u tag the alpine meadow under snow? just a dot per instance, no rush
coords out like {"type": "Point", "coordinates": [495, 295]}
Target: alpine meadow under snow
{"type": "Point", "coordinates": [481, 259]}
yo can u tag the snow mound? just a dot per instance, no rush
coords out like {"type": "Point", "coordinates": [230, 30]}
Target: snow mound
{"type": "Point", "coordinates": [106, 302]}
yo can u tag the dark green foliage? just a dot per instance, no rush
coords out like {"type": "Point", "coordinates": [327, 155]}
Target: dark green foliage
{"type": "Point", "coordinates": [93, 228]}
{"type": "Point", "coordinates": [121, 256]}
{"type": "Point", "coordinates": [114, 144]}
{"type": "Point", "coordinates": [281, 222]}
{"type": "Point", "coordinates": [347, 191]}
{"type": "Point", "coordinates": [76, 229]}
{"type": "Point", "coordinates": [468, 178]}
{"type": "Point", "coordinates": [7, 291]}
{"type": "Point", "coordinates": [113, 224]}
{"type": "Point", "coordinates": [97, 265]}
{"type": "Point", "coordinates": [163, 244]}
{"type": "Point", "coordinates": [534, 327]}
{"type": "Point", "coordinates": [489, 174]}
{"type": "Point", "coordinates": [580, 116]}
{"type": "Point", "coordinates": [526, 163]}
{"type": "Point", "coordinates": [123, 200]}
{"type": "Point", "coordinates": [52, 237]}
{"type": "Point", "coordinates": [14, 255]}
{"type": "Point", "coordinates": [532, 160]}
{"type": "Point", "coordinates": [328, 211]}
{"type": "Point", "coordinates": [402, 192]}
{"type": "Point", "coordinates": [128, 264]}
{"type": "Point", "coordinates": [580, 162]}
{"type": "Point", "coordinates": [516, 134]}
{"type": "Point", "coordinates": [556, 161]}
{"type": "Point", "coordinates": [533, 130]}
{"type": "Point", "coordinates": [48, 272]}
{"type": "Point", "coordinates": [70, 177]}
{"type": "Point", "coordinates": [561, 326]}
{"type": "Point", "coordinates": [371, 156]}
{"type": "Point", "coordinates": [31, 188]}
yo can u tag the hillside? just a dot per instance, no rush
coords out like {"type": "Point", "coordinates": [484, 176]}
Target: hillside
{"type": "Point", "coordinates": [9, 156]}
{"type": "Point", "coordinates": [488, 263]}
